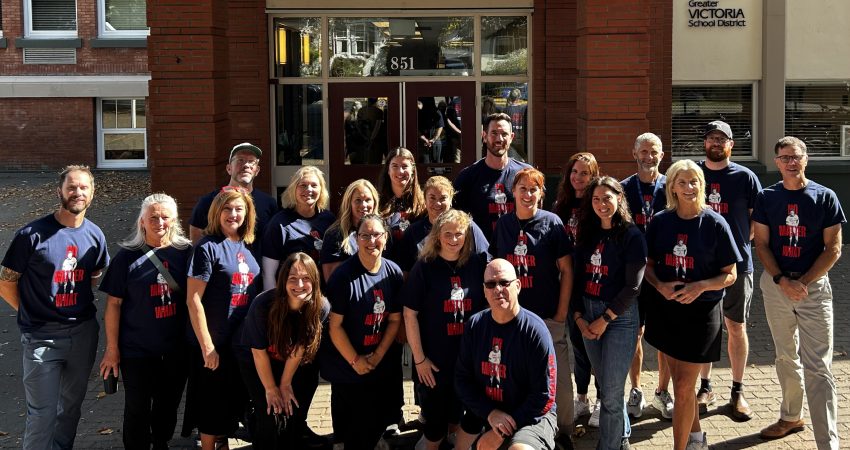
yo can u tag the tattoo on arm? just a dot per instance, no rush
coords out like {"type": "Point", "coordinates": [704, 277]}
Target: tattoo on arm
{"type": "Point", "coordinates": [7, 274]}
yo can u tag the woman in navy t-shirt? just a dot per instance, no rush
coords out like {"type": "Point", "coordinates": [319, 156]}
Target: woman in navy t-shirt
{"type": "Point", "coordinates": [300, 226]}
{"type": "Point", "coordinates": [221, 284]}
{"type": "Point", "coordinates": [610, 261]}
{"type": "Point", "coordinates": [401, 197]}
{"type": "Point", "coordinates": [691, 260]}
{"type": "Point", "coordinates": [360, 198]}
{"type": "Point", "coordinates": [364, 364]}
{"type": "Point", "coordinates": [442, 292]}
{"type": "Point", "coordinates": [145, 323]}
{"type": "Point", "coordinates": [283, 329]}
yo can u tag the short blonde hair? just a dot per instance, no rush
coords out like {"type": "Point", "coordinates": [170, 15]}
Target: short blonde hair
{"type": "Point", "coordinates": [439, 182]}
{"type": "Point", "coordinates": [288, 197]}
{"type": "Point", "coordinates": [227, 195]}
{"type": "Point", "coordinates": [432, 247]}
{"type": "Point", "coordinates": [679, 168]}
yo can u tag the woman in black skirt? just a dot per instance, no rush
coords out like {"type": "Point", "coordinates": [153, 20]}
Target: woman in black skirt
{"type": "Point", "coordinates": [691, 261]}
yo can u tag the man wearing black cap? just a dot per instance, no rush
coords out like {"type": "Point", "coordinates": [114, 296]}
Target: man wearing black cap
{"type": "Point", "coordinates": [731, 190]}
{"type": "Point", "coordinates": [243, 166]}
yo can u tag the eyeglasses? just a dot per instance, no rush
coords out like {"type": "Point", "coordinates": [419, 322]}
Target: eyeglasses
{"type": "Point", "coordinates": [717, 139]}
{"type": "Point", "coordinates": [787, 158]}
{"type": "Point", "coordinates": [503, 283]}
{"type": "Point", "coordinates": [247, 162]}
{"type": "Point", "coordinates": [238, 189]}
{"type": "Point", "coordinates": [370, 236]}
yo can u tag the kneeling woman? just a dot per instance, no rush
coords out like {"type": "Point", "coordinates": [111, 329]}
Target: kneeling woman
{"type": "Point", "coordinates": [611, 258]}
{"type": "Point", "coordinates": [283, 329]}
{"type": "Point", "coordinates": [365, 296]}
{"type": "Point", "coordinates": [692, 257]}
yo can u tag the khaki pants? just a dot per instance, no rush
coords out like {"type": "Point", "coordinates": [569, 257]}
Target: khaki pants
{"type": "Point", "coordinates": [564, 387]}
{"type": "Point", "coordinates": [803, 336]}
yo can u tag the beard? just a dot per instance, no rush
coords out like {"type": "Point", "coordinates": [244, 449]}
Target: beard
{"type": "Point", "coordinates": [715, 155]}
{"type": "Point", "coordinates": [498, 152]}
{"type": "Point", "coordinates": [69, 204]}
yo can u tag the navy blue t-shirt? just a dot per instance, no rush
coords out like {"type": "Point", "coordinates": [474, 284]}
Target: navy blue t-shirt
{"type": "Point", "coordinates": [288, 232]}
{"type": "Point", "coordinates": [691, 249]}
{"type": "Point", "coordinates": [796, 220]}
{"type": "Point", "coordinates": [255, 329]}
{"type": "Point", "coordinates": [533, 247]}
{"type": "Point", "coordinates": [365, 300]}
{"type": "Point", "coordinates": [397, 223]}
{"type": "Point", "coordinates": [153, 316]}
{"type": "Point", "coordinates": [56, 263]}
{"type": "Point", "coordinates": [332, 251]}
{"type": "Point", "coordinates": [645, 199]}
{"type": "Point", "coordinates": [414, 241]}
{"type": "Point", "coordinates": [600, 270]}
{"type": "Point", "coordinates": [485, 193]}
{"type": "Point", "coordinates": [264, 204]}
{"type": "Point", "coordinates": [510, 367]}
{"type": "Point", "coordinates": [571, 224]}
{"type": "Point", "coordinates": [445, 297]}
{"type": "Point", "coordinates": [231, 274]}
{"type": "Point", "coordinates": [732, 193]}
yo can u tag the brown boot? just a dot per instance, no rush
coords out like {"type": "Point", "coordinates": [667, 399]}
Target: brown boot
{"type": "Point", "coordinates": [740, 408]}
{"type": "Point", "coordinates": [782, 428]}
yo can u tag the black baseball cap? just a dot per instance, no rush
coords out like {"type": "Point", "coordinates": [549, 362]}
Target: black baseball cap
{"type": "Point", "coordinates": [718, 125]}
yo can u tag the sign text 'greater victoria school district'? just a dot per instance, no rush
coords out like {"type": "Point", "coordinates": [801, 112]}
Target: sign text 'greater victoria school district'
{"type": "Point", "coordinates": [706, 14]}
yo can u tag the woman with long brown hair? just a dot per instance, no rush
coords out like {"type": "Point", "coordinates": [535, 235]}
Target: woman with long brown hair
{"type": "Point", "coordinates": [402, 201]}
{"type": "Point", "coordinates": [283, 330]}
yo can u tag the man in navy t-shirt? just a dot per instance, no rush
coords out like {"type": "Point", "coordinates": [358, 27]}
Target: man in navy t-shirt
{"type": "Point", "coordinates": [798, 239]}
{"type": "Point", "coordinates": [243, 167]}
{"type": "Point", "coordinates": [731, 191]}
{"type": "Point", "coordinates": [506, 371]}
{"type": "Point", "coordinates": [47, 276]}
{"type": "Point", "coordinates": [484, 188]}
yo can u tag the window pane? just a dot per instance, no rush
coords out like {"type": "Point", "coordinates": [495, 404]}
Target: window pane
{"type": "Point", "coordinates": [818, 115]}
{"type": "Point", "coordinates": [141, 121]}
{"type": "Point", "coordinates": [298, 47]}
{"type": "Point", "coordinates": [125, 15]}
{"type": "Point", "coordinates": [299, 125]}
{"type": "Point", "coordinates": [504, 45]}
{"type": "Point", "coordinates": [124, 114]}
{"type": "Point", "coordinates": [124, 146]}
{"type": "Point", "coordinates": [695, 106]}
{"type": "Point", "coordinates": [108, 113]}
{"type": "Point", "coordinates": [510, 98]}
{"type": "Point", "coordinates": [54, 15]}
{"type": "Point", "coordinates": [399, 46]}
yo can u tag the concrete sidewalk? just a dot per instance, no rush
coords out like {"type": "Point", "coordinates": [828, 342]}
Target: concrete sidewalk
{"type": "Point", "coordinates": [24, 197]}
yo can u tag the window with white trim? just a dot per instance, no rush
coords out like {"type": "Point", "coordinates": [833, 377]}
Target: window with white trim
{"type": "Point", "coordinates": [122, 133]}
{"type": "Point", "coordinates": [50, 18]}
{"type": "Point", "coordinates": [819, 114]}
{"type": "Point", "coordinates": [694, 106]}
{"type": "Point", "coordinates": [122, 18]}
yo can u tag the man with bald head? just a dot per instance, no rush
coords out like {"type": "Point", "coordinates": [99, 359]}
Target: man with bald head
{"type": "Point", "coordinates": [506, 371]}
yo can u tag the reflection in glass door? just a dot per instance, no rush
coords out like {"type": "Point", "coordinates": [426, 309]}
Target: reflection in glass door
{"type": "Point", "coordinates": [366, 138]}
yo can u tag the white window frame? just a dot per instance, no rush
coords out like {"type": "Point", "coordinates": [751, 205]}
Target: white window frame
{"type": "Point", "coordinates": [120, 34]}
{"type": "Point", "coordinates": [28, 31]}
{"type": "Point", "coordinates": [104, 163]}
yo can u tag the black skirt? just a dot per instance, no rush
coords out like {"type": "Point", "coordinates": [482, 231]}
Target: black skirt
{"type": "Point", "coordinates": [690, 333]}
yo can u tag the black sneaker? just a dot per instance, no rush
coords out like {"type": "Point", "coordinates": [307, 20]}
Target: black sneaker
{"type": "Point", "coordinates": [309, 439]}
{"type": "Point", "coordinates": [564, 442]}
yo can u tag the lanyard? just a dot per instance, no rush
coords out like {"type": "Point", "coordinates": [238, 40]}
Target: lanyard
{"type": "Point", "coordinates": [648, 209]}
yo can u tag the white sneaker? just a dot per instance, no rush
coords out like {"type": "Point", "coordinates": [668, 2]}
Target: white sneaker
{"type": "Point", "coordinates": [663, 402]}
{"type": "Point", "coordinates": [580, 408]}
{"type": "Point", "coordinates": [698, 445]}
{"type": "Point", "coordinates": [636, 403]}
{"type": "Point", "coordinates": [593, 422]}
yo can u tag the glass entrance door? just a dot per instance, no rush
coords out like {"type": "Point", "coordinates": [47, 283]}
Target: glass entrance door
{"type": "Point", "coordinates": [434, 120]}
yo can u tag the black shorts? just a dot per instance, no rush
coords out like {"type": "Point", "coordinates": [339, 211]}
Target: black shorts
{"type": "Point", "coordinates": [440, 406]}
{"type": "Point", "coordinates": [220, 396]}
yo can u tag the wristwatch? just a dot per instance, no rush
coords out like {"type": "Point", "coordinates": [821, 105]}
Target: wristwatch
{"type": "Point", "coordinates": [777, 277]}
{"type": "Point", "coordinates": [606, 317]}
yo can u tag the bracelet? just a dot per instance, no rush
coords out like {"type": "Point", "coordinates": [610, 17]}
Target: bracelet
{"type": "Point", "coordinates": [100, 274]}
{"type": "Point", "coordinates": [420, 362]}
{"type": "Point", "coordinates": [354, 361]}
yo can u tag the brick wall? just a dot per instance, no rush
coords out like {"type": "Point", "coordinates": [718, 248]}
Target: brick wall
{"type": "Point", "coordinates": [46, 133]}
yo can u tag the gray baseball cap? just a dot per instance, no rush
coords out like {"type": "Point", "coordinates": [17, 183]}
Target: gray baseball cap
{"type": "Point", "coordinates": [246, 147]}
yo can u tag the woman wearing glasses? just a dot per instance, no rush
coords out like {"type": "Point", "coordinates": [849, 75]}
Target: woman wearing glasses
{"type": "Point", "coordinates": [360, 198]}
{"type": "Point", "coordinates": [691, 260]}
{"type": "Point", "coordinates": [222, 282]}
{"type": "Point", "coordinates": [363, 365]}
{"type": "Point", "coordinates": [300, 226]}
{"type": "Point", "coordinates": [442, 292]}
{"type": "Point", "coordinates": [401, 197]}
{"type": "Point", "coordinates": [611, 257]}
{"type": "Point", "coordinates": [146, 323]}
{"type": "Point", "coordinates": [535, 243]}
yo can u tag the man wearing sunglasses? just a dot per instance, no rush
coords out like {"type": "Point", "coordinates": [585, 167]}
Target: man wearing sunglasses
{"type": "Point", "coordinates": [798, 240]}
{"type": "Point", "coordinates": [242, 167]}
{"type": "Point", "coordinates": [506, 370]}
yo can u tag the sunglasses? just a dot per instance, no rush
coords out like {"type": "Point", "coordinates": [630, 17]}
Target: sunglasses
{"type": "Point", "coordinates": [503, 283]}
{"type": "Point", "coordinates": [238, 189]}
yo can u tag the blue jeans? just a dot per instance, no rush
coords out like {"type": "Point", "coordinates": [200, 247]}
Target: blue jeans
{"type": "Point", "coordinates": [56, 373]}
{"type": "Point", "coordinates": [611, 357]}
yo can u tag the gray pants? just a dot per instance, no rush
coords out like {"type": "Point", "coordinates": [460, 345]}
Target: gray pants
{"type": "Point", "coordinates": [56, 371]}
{"type": "Point", "coordinates": [803, 336]}
{"type": "Point", "coordinates": [564, 384]}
